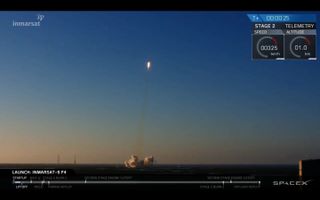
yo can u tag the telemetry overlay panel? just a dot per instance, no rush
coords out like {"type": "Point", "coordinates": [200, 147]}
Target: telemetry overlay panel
{"type": "Point", "coordinates": [283, 36]}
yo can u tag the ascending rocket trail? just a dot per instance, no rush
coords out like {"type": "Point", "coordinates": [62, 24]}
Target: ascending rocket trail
{"type": "Point", "coordinates": [140, 139]}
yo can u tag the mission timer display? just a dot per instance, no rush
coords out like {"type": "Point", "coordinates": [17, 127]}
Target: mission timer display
{"type": "Point", "coordinates": [283, 36]}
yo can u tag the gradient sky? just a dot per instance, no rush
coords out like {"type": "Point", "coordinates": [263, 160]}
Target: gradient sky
{"type": "Point", "coordinates": [75, 85]}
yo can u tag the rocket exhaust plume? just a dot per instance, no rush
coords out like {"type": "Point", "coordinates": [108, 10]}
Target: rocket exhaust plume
{"type": "Point", "coordinates": [139, 149]}
{"type": "Point", "coordinates": [133, 161]}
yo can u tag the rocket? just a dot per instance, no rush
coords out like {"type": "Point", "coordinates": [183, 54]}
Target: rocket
{"type": "Point", "coordinates": [148, 65]}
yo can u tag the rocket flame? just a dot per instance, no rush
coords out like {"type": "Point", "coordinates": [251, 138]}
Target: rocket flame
{"type": "Point", "coordinates": [148, 65]}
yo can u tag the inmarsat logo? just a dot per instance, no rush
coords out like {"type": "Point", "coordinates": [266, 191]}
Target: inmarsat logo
{"type": "Point", "coordinates": [291, 183]}
{"type": "Point", "coordinates": [36, 23]}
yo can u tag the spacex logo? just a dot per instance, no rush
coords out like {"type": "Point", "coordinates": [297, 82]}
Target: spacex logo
{"type": "Point", "coordinates": [291, 183]}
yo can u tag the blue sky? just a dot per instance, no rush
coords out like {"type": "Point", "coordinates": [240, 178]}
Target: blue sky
{"type": "Point", "coordinates": [75, 85]}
